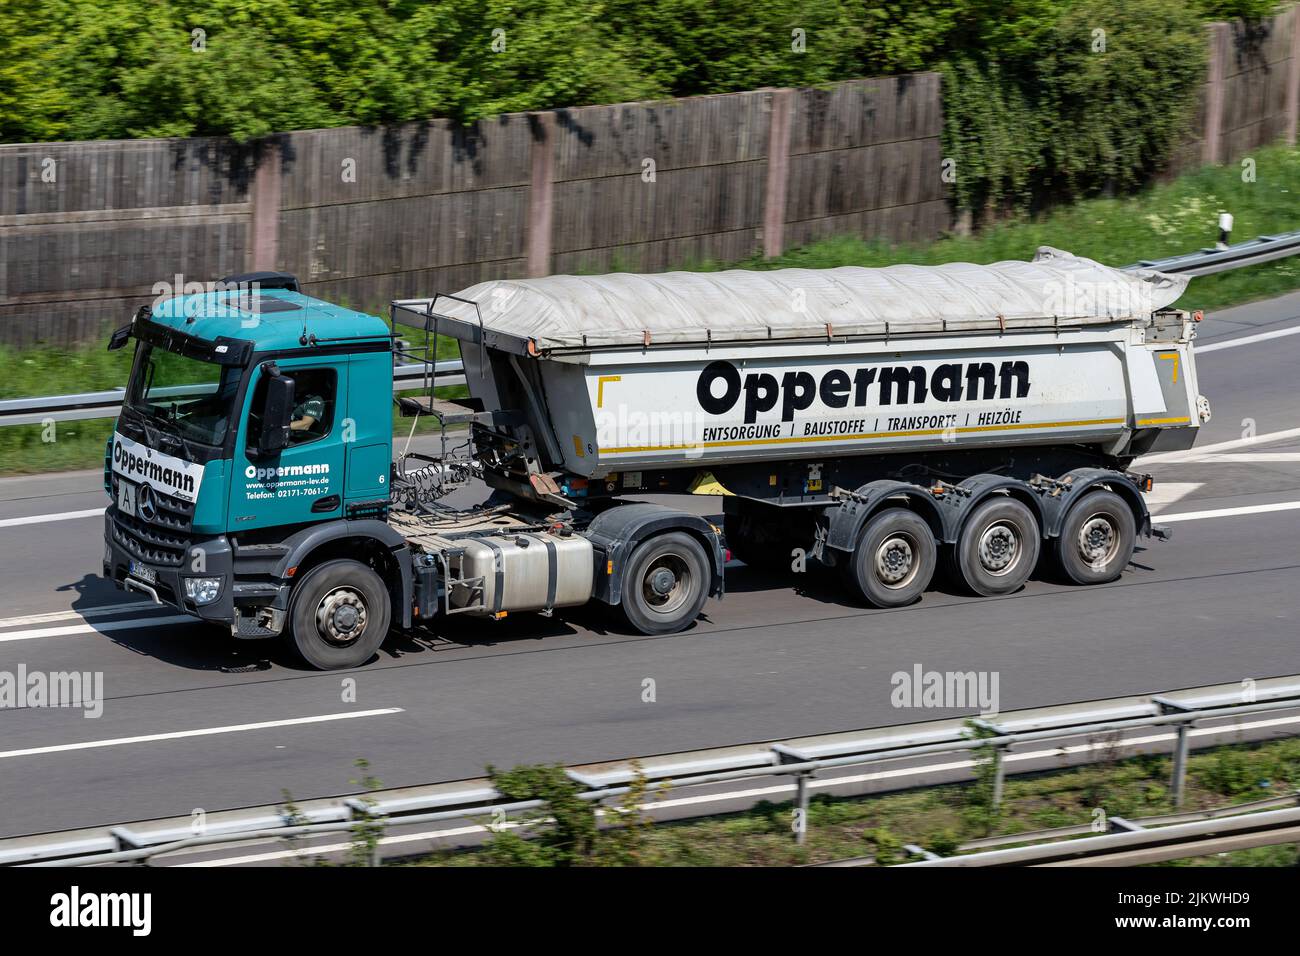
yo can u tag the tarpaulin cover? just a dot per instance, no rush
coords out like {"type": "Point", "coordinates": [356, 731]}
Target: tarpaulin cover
{"type": "Point", "coordinates": [1055, 289]}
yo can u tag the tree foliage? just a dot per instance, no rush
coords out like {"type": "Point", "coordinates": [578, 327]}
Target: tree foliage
{"type": "Point", "coordinates": [1033, 108]}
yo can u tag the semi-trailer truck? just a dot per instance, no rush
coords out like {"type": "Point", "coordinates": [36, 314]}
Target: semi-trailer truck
{"type": "Point", "coordinates": [878, 421]}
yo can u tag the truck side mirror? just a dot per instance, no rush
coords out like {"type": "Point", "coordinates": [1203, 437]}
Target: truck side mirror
{"type": "Point", "coordinates": [119, 338]}
{"type": "Point", "coordinates": [277, 411]}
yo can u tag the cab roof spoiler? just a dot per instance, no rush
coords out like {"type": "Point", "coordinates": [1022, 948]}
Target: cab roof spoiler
{"type": "Point", "coordinates": [264, 280]}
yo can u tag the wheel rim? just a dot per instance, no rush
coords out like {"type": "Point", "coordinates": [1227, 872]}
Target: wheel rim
{"type": "Point", "coordinates": [667, 584]}
{"type": "Point", "coordinates": [341, 617]}
{"type": "Point", "coordinates": [999, 548]}
{"type": "Point", "coordinates": [1098, 540]}
{"type": "Point", "coordinates": [896, 561]}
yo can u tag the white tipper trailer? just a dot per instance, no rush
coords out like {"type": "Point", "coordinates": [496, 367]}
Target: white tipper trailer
{"type": "Point", "coordinates": [873, 420]}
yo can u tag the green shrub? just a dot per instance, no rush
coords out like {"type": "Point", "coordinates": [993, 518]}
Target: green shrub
{"type": "Point", "coordinates": [1086, 98]}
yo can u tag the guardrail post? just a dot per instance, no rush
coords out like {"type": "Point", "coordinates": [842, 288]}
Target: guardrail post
{"type": "Point", "coordinates": [999, 776]}
{"type": "Point", "coordinates": [1180, 765]}
{"type": "Point", "coordinates": [801, 805]}
{"type": "Point", "coordinates": [124, 839]}
{"type": "Point", "coordinates": [1170, 706]}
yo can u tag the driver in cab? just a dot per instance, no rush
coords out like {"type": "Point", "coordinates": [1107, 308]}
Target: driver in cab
{"type": "Point", "coordinates": [305, 415]}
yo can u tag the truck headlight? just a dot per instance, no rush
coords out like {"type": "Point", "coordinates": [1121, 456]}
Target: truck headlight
{"type": "Point", "coordinates": [203, 590]}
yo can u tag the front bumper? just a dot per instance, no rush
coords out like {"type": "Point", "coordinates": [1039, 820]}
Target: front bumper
{"type": "Point", "coordinates": [209, 557]}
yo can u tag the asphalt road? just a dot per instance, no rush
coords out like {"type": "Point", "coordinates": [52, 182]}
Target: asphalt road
{"type": "Point", "coordinates": [195, 720]}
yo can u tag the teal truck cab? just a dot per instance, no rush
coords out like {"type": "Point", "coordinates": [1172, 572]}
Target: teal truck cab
{"type": "Point", "coordinates": [253, 485]}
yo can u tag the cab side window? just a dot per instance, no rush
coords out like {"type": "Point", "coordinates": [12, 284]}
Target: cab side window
{"type": "Point", "coordinates": [314, 393]}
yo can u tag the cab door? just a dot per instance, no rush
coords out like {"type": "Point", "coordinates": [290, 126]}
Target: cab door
{"type": "Point", "coordinates": [304, 482]}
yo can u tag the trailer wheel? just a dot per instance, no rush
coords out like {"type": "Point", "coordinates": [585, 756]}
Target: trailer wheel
{"type": "Point", "coordinates": [666, 583]}
{"type": "Point", "coordinates": [1097, 538]}
{"type": "Point", "coordinates": [998, 547]}
{"type": "Point", "coordinates": [894, 560]}
{"type": "Point", "coordinates": [339, 614]}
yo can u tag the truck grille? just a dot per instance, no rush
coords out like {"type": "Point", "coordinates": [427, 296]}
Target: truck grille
{"type": "Point", "coordinates": [149, 542]}
{"type": "Point", "coordinates": [161, 540]}
{"type": "Point", "coordinates": [173, 513]}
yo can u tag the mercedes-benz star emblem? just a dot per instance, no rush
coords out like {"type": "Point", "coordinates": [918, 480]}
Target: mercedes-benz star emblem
{"type": "Point", "coordinates": [146, 504]}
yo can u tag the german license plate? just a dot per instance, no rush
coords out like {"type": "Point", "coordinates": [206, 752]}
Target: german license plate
{"type": "Point", "coordinates": [144, 573]}
{"type": "Point", "coordinates": [126, 495]}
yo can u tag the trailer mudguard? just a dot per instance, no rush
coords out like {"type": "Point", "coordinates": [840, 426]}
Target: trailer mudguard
{"type": "Point", "coordinates": [1057, 498]}
{"type": "Point", "coordinates": [304, 542]}
{"type": "Point", "coordinates": [856, 507]}
{"type": "Point", "coordinates": [956, 505]}
{"type": "Point", "coordinates": [615, 533]}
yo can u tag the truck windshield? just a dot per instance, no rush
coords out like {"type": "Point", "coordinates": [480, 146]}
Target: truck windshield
{"type": "Point", "coordinates": [195, 399]}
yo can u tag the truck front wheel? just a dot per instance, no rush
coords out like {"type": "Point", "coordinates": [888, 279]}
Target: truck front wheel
{"type": "Point", "coordinates": [665, 584]}
{"type": "Point", "coordinates": [339, 614]}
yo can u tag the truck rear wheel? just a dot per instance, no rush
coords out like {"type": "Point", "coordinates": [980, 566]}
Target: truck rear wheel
{"type": "Point", "coordinates": [1097, 538]}
{"type": "Point", "coordinates": [894, 560]}
{"type": "Point", "coordinates": [998, 547]}
{"type": "Point", "coordinates": [665, 584]}
{"type": "Point", "coordinates": [339, 614]}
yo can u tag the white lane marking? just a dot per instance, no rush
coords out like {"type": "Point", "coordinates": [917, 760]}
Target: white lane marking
{"type": "Point", "coordinates": [42, 519]}
{"type": "Point", "coordinates": [1247, 340]}
{"type": "Point", "coordinates": [754, 792]}
{"type": "Point", "coordinates": [1245, 457]}
{"type": "Point", "coordinates": [201, 732]}
{"type": "Point", "coordinates": [1169, 457]}
{"type": "Point", "coordinates": [35, 633]}
{"type": "Point", "coordinates": [70, 615]}
{"type": "Point", "coordinates": [1165, 493]}
{"type": "Point", "coordinates": [1232, 512]}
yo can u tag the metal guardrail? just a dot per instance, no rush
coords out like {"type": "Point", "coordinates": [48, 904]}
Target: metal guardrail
{"type": "Point", "coordinates": [1134, 844]}
{"type": "Point", "coordinates": [802, 759]}
{"type": "Point", "coordinates": [89, 405]}
{"type": "Point", "coordinates": [1206, 262]}
{"type": "Point", "coordinates": [1143, 840]}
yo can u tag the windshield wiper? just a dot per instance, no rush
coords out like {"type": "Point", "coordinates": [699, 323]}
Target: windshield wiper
{"type": "Point", "coordinates": [173, 429]}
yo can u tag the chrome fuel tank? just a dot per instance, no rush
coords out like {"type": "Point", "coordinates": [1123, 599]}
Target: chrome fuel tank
{"type": "Point", "coordinates": [523, 572]}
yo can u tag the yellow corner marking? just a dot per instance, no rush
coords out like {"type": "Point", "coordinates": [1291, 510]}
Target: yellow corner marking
{"type": "Point", "coordinates": [577, 446]}
{"type": "Point", "coordinates": [600, 387]}
{"type": "Point", "coordinates": [1167, 356]}
{"type": "Point", "coordinates": [1164, 421]}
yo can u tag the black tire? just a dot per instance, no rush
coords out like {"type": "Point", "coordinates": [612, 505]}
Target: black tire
{"type": "Point", "coordinates": [319, 620]}
{"type": "Point", "coordinates": [894, 559]}
{"type": "Point", "coordinates": [998, 547]}
{"type": "Point", "coordinates": [665, 584]}
{"type": "Point", "coordinates": [1097, 538]}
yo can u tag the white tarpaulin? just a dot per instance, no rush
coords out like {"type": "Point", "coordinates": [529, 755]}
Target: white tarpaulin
{"type": "Point", "coordinates": [1056, 288]}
